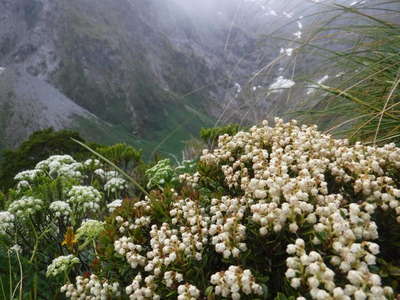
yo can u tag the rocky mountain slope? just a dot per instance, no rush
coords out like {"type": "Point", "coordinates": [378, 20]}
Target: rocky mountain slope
{"type": "Point", "coordinates": [132, 64]}
{"type": "Point", "coordinates": [148, 72]}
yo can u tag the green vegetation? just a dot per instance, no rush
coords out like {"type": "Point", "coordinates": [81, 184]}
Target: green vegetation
{"type": "Point", "coordinates": [270, 212]}
{"type": "Point", "coordinates": [210, 135]}
{"type": "Point", "coordinates": [302, 215]}
{"type": "Point", "coordinates": [369, 95]}
{"type": "Point", "coordinates": [38, 147]}
{"type": "Point", "coordinates": [360, 49]}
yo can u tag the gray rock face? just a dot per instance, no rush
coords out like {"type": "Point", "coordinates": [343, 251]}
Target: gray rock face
{"type": "Point", "coordinates": [28, 103]}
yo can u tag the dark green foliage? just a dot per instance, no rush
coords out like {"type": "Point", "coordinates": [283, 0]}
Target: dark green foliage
{"type": "Point", "coordinates": [2, 201]}
{"type": "Point", "coordinates": [122, 155]}
{"type": "Point", "coordinates": [39, 146]}
{"type": "Point", "coordinates": [210, 135]}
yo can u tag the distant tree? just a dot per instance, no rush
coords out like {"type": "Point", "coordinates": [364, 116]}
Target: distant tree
{"type": "Point", "coordinates": [39, 146]}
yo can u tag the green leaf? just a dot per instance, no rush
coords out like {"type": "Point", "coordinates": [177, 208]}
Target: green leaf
{"type": "Point", "coordinates": [393, 270]}
{"type": "Point", "coordinates": [281, 296]}
{"type": "Point", "coordinates": [265, 290]}
{"type": "Point", "coordinates": [209, 291]}
{"type": "Point", "coordinates": [322, 236]}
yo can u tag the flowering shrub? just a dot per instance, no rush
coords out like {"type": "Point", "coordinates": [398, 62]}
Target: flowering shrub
{"type": "Point", "coordinates": [61, 264]}
{"type": "Point", "coordinates": [161, 174]}
{"type": "Point", "coordinates": [274, 211]}
{"type": "Point", "coordinates": [46, 215]}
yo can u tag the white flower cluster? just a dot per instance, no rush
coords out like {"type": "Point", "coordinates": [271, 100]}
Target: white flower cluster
{"type": "Point", "coordinates": [17, 249]}
{"type": "Point", "coordinates": [28, 175]}
{"type": "Point", "coordinates": [141, 218]}
{"type": "Point", "coordinates": [25, 206]}
{"type": "Point", "coordinates": [193, 228]}
{"type": "Point", "coordinates": [6, 222]}
{"type": "Point", "coordinates": [110, 177]}
{"type": "Point", "coordinates": [125, 246]}
{"type": "Point", "coordinates": [92, 164]}
{"type": "Point", "coordinates": [171, 278]}
{"type": "Point", "coordinates": [166, 247]}
{"type": "Point", "coordinates": [115, 185]}
{"type": "Point", "coordinates": [61, 264]}
{"type": "Point", "coordinates": [188, 292]}
{"type": "Point", "coordinates": [54, 166]}
{"type": "Point", "coordinates": [91, 288]}
{"type": "Point", "coordinates": [60, 208]}
{"type": "Point", "coordinates": [90, 229]}
{"type": "Point", "coordinates": [192, 179]}
{"type": "Point", "coordinates": [100, 172]}
{"type": "Point", "coordinates": [85, 198]}
{"type": "Point", "coordinates": [286, 174]}
{"type": "Point", "coordinates": [160, 174]}
{"type": "Point", "coordinates": [111, 174]}
{"type": "Point", "coordinates": [23, 185]}
{"type": "Point", "coordinates": [226, 225]}
{"type": "Point", "coordinates": [231, 282]}
{"type": "Point", "coordinates": [310, 269]}
{"type": "Point", "coordinates": [138, 223]}
{"type": "Point", "coordinates": [113, 205]}
{"type": "Point", "coordinates": [61, 166]}
{"type": "Point", "coordinates": [141, 289]}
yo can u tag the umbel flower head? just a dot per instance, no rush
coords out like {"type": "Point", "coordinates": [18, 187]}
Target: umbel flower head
{"type": "Point", "coordinates": [60, 208]}
{"type": "Point", "coordinates": [84, 198]}
{"type": "Point", "coordinates": [90, 229]}
{"type": "Point", "coordinates": [61, 264]}
{"type": "Point", "coordinates": [6, 222]}
{"type": "Point", "coordinates": [25, 207]}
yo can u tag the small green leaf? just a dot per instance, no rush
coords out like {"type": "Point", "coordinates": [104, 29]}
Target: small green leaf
{"type": "Point", "coordinates": [209, 290]}
{"type": "Point", "coordinates": [265, 291]}
{"type": "Point", "coordinates": [281, 296]}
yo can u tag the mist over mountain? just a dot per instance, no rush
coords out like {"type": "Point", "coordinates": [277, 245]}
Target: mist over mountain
{"type": "Point", "coordinates": [150, 73]}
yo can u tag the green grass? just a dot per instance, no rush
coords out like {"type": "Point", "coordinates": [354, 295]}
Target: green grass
{"type": "Point", "coordinates": [363, 104]}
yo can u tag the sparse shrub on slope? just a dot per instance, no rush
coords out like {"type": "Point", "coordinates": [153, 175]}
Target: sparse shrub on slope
{"type": "Point", "coordinates": [283, 211]}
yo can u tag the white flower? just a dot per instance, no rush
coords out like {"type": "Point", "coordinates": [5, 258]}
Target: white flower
{"type": "Point", "coordinates": [6, 221]}
{"type": "Point", "coordinates": [16, 248]}
{"type": "Point", "coordinates": [61, 264]}
{"type": "Point", "coordinates": [115, 185]}
{"type": "Point", "coordinates": [25, 207]}
{"type": "Point", "coordinates": [91, 288]}
{"type": "Point", "coordinates": [90, 229]}
{"type": "Point", "coordinates": [113, 205]}
{"type": "Point", "coordinates": [233, 281]}
{"type": "Point", "coordinates": [84, 198]}
{"type": "Point", "coordinates": [60, 208]}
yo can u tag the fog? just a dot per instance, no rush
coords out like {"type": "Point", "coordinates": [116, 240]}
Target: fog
{"type": "Point", "coordinates": [280, 9]}
{"type": "Point", "coordinates": [252, 14]}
